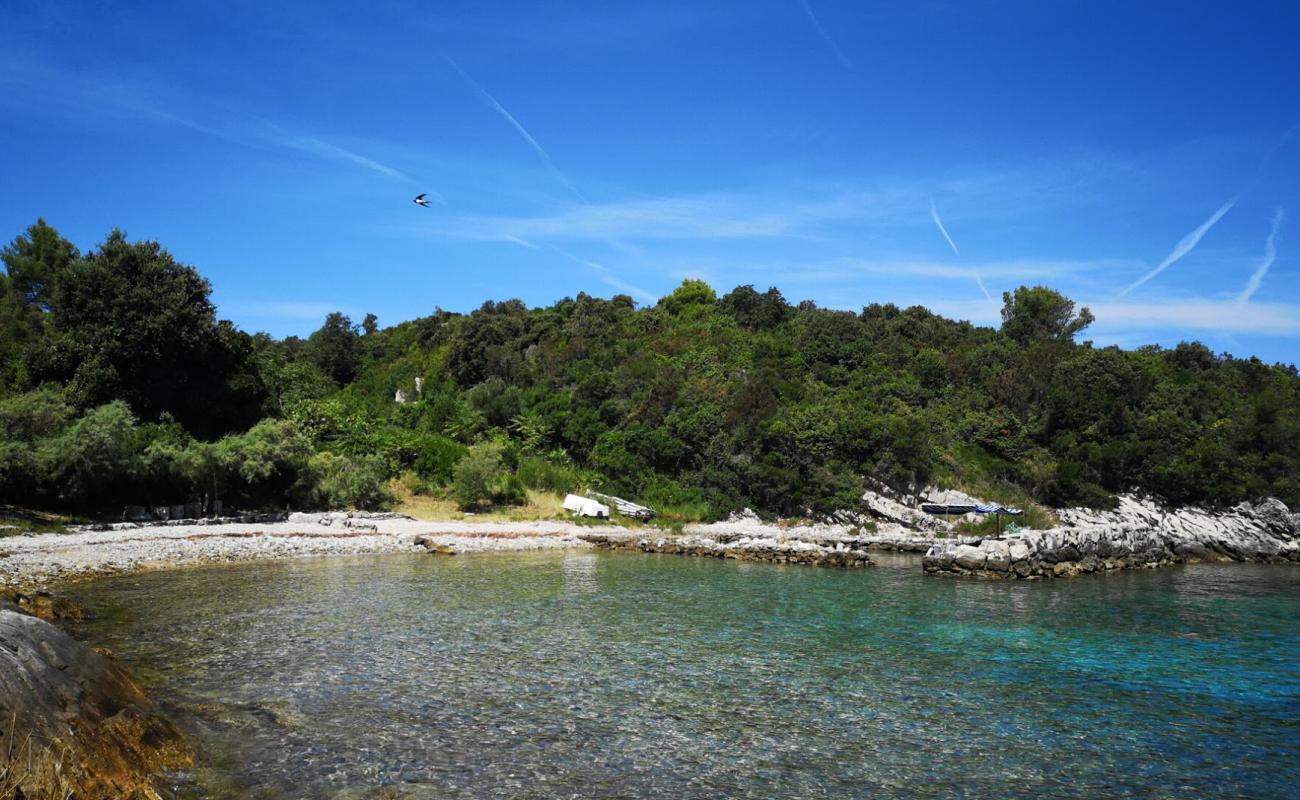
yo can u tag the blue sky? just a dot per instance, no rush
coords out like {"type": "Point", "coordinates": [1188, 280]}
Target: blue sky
{"type": "Point", "coordinates": [1140, 157]}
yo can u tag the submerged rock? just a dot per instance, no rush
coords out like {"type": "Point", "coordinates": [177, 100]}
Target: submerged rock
{"type": "Point", "coordinates": [76, 724]}
{"type": "Point", "coordinates": [40, 603]}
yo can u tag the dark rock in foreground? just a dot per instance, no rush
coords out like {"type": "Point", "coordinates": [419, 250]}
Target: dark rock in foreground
{"type": "Point", "coordinates": [75, 724]}
{"type": "Point", "coordinates": [1137, 535]}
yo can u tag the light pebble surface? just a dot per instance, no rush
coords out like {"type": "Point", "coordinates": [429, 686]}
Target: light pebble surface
{"type": "Point", "coordinates": [48, 558]}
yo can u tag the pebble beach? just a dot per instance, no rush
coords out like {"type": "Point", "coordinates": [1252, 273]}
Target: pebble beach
{"type": "Point", "coordinates": [34, 560]}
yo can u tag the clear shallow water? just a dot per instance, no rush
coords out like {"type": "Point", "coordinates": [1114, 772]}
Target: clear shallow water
{"type": "Point", "coordinates": [623, 675]}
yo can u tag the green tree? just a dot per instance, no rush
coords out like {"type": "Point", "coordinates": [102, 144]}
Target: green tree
{"type": "Point", "coordinates": [335, 348]}
{"type": "Point", "coordinates": [129, 322]}
{"type": "Point", "coordinates": [753, 310]}
{"type": "Point", "coordinates": [95, 458]}
{"type": "Point", "coordinates": [1041, 314]}
{"type": "Point", "coordinates": [690, 293]}
{"type": "Point", "coordinates": [34, 261]}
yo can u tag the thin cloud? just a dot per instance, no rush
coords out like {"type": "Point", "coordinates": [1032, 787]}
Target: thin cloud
{"type": "Point", "coordinates": [607, 277]}
{"type": "Point", "coordinates": [153, 105]}
{"type": "Point", "coordinates": [1186, 245]}
{"type": "Point", "coordinates": [1021, 269]}
{"type": "Point", "coordinates": [1269, 319]}
{"type": "Point", "coordinates": [826, 37]}
{"type": "Point", "coordinates": [934, 215]}
{"type": "Point", "coordinates": [1189, 242]}
{"type": "Point", "coordinates": [1179, 319]}
{"type": "Point", "coordinates": [492, 103]}
{"type": "Point", "coordinates": [1270, 255]}
{"type": "Point", "coordinates": [703, 216]}
{"type": "Point", "coordinates": [643, 295]}
{"type": "Point", "coordinates": [1273, 151]}
{"type": "Point", "coordinates": [314, 146]}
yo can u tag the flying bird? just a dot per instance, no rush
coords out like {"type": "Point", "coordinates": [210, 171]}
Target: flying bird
{"type": "Point", "coordinates": [420, 201]}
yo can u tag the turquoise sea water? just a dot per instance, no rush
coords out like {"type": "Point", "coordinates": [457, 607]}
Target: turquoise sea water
{"type": "Point", "coordinates": [624, 675]}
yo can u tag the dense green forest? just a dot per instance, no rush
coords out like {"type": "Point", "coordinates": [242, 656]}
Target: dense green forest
{"type": "Point", "coordinates": [118, 386]}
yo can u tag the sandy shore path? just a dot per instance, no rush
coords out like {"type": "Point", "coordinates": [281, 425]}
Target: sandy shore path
{"type": "Point", "coordinates": [48, 558]}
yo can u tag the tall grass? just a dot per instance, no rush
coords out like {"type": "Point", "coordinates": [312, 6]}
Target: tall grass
{"type": "Point", "coordinates": [31, 772]}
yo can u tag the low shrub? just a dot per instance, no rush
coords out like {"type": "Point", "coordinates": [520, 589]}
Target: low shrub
{"type": "Point", "coordinates": [482, 478]}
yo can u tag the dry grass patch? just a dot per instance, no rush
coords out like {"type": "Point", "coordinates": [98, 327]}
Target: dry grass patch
{"type": "Point", "coordinates": [440, 507]}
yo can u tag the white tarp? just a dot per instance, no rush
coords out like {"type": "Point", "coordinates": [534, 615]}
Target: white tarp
{"type": "Point", "coordinates": [585, 506]}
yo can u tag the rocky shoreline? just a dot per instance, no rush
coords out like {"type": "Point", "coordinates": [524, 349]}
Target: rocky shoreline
{"type": "Point", "coordinates": [1137, 535]}
{"type": "Point", "coordinates": [745, 537]}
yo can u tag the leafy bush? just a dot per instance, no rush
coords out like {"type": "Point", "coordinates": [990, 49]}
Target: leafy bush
{"type": "Point", "coordinates": [436, 457]}
{"type": "Point", "coordinates": [482, 478]}
{"type": "Point", "coordinates": [333, 481]}
{"type": "Point", "coordinates": [545, 476]}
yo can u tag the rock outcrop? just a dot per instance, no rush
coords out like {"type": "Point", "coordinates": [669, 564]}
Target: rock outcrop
{"type": "Point", "coordinates": [75, 724]}
{"type": "Point", "coordinates": [895, 511]}
{"type": "Point", "coordinates": [1137, 534]}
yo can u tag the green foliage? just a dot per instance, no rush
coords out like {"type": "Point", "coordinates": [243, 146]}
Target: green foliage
{"type": "Point", "coordinates": [93, 457]}
{"type": "Point", "coordinates": [1041, 314]}
{"type": "Point", "coordinates": [753, 310]}
{"type": "Point", "coordinates": [333, 481]}
{"type": "Point", "coordinates": [117, 385]}
{"type": "Point", "coordinates": [335, 349]}
{"type": "Point", "coordinates": [127, 322]}
{"type": "Point", "coordinates": [483, 479]}
{"type": "Point", "coordinates": [691, 293]}
{"type": "Point", "coordinates": [436, 457]}
{"type": "Point", "coordinates": [33, 262]}
{"type": "Point", "coordinates": [547, 475]}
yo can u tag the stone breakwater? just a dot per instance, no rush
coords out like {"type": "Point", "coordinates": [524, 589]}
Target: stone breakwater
{"type": "Point", "coordinates": [887, 536]}
{"type": "Point", "coordinates": [1136, 535]}
{"type": "Point", "coordinates": [770, 550]}
{"type": "Point", "coordinates": [745, 537]}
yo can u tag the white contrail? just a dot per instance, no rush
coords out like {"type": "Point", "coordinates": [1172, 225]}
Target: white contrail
{"type": "Point", "coordinates": [607, 277]}
{"type": "Point", "coordinates": [521, 242]}
{"type": "Point", "coordinates": [826, 37]}
{"type": "Point", "coordinates": [1184, 246]}
{"type": "Point", "coordinates": [934, 215]}
{"type": "Point", "coordinates": [522, 131]}
{"type": "Point", "coordinates": [308, 144]}
{"type": "Point", "coordinates": [1270, 255]}
{"type": "Point", "coordinates": [1272, 151]}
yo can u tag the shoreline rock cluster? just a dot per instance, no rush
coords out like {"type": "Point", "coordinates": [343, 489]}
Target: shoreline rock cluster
{"type": "Point", "coordinates": [1138, 534]}
{"type": "Point", "coordinates": [744, 536]}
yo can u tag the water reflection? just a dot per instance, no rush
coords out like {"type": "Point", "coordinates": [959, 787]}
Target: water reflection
{"type": "Point", "coordinates": [580, 572]}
